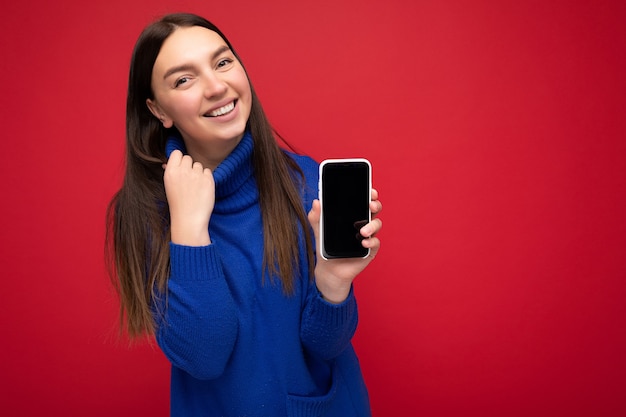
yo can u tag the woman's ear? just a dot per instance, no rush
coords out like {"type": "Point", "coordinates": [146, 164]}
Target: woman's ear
{"type": "Point", "coordinates": [156, 110]}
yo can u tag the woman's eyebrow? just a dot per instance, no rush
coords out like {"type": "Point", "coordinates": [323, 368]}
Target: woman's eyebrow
{"type": "Point", "coordinates": [179, 68]}
{"type": "Point", "coordinates": [186, 67]}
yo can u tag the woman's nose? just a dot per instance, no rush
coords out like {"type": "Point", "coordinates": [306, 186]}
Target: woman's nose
{"type": "Point", "coordinates": [214, 86]}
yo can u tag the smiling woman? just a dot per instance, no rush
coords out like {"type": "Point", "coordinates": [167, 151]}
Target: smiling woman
{"type": "Point", "coordinates": [201, 88]}
{"type": "Point", "coordinates": [211, 248]}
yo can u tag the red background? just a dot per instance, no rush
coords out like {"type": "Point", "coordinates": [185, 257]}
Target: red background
{"type": "Point", "coordinates": [497, 134]}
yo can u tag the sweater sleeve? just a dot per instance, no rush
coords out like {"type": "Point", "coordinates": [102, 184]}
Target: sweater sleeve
{"type": "Point", "coordinates": [327, 329]}
{"type": "Point", "coordinates": [197, 325]}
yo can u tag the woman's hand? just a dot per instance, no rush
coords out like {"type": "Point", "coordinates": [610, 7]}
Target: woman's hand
{"type": "Point", "coordinates": [190, 190]}
{"type": "Point", "coordinates": [334, 277]}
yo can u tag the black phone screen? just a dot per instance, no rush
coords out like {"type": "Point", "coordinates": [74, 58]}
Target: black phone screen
{"type": "Point", "coordinates": [345, 189]}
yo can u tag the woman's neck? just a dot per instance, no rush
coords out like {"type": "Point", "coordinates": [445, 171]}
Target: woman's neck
{"type": "Point", "coordinates": [210, 155]}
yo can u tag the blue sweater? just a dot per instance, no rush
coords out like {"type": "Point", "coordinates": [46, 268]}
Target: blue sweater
{"type": "Point", "coordinates": [237, 344]}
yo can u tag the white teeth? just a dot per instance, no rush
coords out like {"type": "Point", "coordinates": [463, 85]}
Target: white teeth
{"type": "Point", "coordinates": [223, 110]}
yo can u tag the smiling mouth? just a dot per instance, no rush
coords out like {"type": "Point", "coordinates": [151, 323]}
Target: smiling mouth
{"type": "Point", "coordinates": [222, 110]}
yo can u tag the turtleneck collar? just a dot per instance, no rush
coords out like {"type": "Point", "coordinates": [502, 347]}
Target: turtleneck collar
{"type": "Point", "coordinates": [235, 185]}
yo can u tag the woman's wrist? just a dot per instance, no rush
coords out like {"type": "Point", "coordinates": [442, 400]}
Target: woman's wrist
{"type": "Point", "coordinates": [189, 236]}
{"type": "Point", "coordinates": [333, 293]}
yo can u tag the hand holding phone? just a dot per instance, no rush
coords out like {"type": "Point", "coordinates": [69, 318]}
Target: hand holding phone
{"type": "Point", "coordinates": [344, 193]}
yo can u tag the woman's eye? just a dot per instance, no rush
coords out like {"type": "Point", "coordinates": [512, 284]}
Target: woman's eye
{"type": "Point", "coordinates": [181, 81]}
{"type": "Point", "coordinates": [224, 62]}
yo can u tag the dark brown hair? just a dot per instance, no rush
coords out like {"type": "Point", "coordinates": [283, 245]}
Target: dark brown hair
{"type": "Point", "coordinates": [137, 241]}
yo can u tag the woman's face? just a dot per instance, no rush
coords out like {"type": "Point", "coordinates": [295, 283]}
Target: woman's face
{"type": "Point", "coordinates": [200, 88]}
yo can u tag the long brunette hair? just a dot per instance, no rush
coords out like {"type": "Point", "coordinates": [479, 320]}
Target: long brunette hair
{"type": "Point", "coordinates": [137, 240]}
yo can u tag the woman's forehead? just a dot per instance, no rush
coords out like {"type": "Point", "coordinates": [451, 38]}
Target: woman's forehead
{"type": "Point", "coordinates": [193, 39]}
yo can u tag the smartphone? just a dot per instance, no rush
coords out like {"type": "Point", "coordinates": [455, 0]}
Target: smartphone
{"type": "Point", "coordinates": [345, 191]}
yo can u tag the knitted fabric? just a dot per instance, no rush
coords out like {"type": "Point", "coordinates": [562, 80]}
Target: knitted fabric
{"type": "Point", "coordinates": [237, 344]}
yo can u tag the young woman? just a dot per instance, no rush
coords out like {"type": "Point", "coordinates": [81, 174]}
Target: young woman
{"type": "Point", "coordinates": [211, 241]}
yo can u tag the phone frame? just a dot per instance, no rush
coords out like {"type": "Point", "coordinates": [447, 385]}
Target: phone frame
{"type": "Point", "coordinates": [322, 249]}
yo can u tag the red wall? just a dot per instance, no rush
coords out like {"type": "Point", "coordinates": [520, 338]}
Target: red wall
{"type": "Point", "coordinates": [498, 137]}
